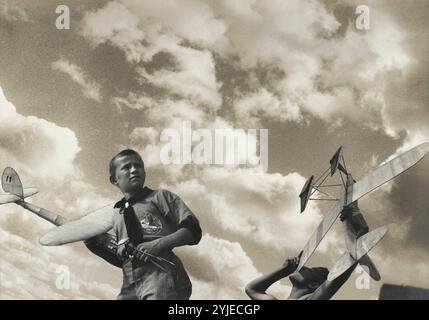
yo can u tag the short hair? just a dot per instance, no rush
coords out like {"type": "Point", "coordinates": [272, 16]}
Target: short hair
{"type": "Point", "coordinates": [318, 275]}
{"type": "Point", "coordinates": [123, 153]}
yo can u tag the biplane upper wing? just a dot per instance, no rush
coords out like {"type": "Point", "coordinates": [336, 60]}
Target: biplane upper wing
{"type": "Point", "coordinates": [91, 225]}
{"type": "Point", "coordinates": [389, 170]}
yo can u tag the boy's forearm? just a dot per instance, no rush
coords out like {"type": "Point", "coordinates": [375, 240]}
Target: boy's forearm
{"type": "Point", "coordinates": [262, 283]}
{"type": "Point", "coordinates": [181, 237]}
{"type": "Point", "coordinates": [329, 288]}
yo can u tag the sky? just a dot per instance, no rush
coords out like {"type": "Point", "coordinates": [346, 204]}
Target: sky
{"type": "Point", "coordinates": [127, 70]}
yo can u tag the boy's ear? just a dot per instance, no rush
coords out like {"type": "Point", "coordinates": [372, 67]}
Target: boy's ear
{"type": "Point", "coordinates": [113, 180]}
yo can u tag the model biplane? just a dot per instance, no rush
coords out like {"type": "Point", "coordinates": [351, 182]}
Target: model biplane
{"type": "Point", "coordinates": [359, 240]}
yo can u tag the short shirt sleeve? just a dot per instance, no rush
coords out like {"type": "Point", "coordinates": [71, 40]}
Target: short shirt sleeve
{"type": "Point", "coordinates": [179, 214]}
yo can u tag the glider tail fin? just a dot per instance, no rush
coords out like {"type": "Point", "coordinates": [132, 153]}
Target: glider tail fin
{"type": "Point", "coordinates": [12, 185]}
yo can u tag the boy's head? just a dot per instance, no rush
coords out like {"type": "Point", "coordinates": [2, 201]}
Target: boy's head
{"type": "Point", "coordinates": [127, 171]}
{"type": "Point", "coordinates": [309, 278]}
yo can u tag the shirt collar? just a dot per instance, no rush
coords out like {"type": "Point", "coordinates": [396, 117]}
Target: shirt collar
{"type": "Point", "coordinates": [139, 196]}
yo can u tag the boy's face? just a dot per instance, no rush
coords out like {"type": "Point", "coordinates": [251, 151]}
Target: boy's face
{"type": "Point", "coordinates": [305, 279]}
{"type": "Point", "coordinates": [129, 173]}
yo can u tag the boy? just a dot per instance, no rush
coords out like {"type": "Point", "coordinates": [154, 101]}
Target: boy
{"type": "Point", "coordinates": [149, 224]}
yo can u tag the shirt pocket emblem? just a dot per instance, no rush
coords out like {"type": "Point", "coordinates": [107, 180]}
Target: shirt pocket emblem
{"type": "Point", "coordinates": [151, 224]}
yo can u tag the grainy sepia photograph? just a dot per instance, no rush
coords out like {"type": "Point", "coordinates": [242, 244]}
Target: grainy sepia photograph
{"type": "Point", "coordinates": [214, 150]}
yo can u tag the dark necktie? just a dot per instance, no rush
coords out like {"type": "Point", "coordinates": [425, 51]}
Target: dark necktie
{"type": "Point", "coordinates": [132, 223]}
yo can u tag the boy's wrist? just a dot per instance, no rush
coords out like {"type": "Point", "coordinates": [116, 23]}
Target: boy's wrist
{"type": "Point", "coordinates": [286, 270]}
{"type": "Point", "coordinates": [164, 244]}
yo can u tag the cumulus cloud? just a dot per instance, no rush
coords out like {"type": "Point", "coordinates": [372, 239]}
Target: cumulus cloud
{"type": "Point", "coordinates": [35, 272]}
{"type": "Point", "coordinates": [262, 208]}
{"type": "Point", "coordinates": [44, 153]}
{"type": "Point", "coordinates": [89, 87]}
{"type": "Point", "coordinates": [192, 20]}
{"type": "Point", "coordinates": [193, 74]}
{"type": "Point", "coordinates": [308, 52]}
{"type": "Point", "coordinates": [185, 138]}
{"type": "Point", "coordinates": [35, 145]}
{"type": "Point", "coordinates": [193, 78]}
{"type": "Point", "coordinates": [224, 268]}
{"type": "Point", "coordinates": [263, 103]}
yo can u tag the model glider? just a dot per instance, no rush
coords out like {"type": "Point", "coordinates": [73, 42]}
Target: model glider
{"type": "Point", "coordinates": [94, 228]}
{"type": "Point", "coordinates": [104, 240]}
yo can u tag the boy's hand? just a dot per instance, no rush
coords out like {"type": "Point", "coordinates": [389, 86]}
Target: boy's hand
{"type": "Point", "coordinates": [292, 263]}
{"type": "Point", "coordinates": [153, 247]}
{"type": "Point", "coordinates": [349, 211]}
{"type": "Point", "coordinates": [121, 252]}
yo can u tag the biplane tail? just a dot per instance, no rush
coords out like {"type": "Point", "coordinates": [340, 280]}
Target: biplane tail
{"type": "Point", "coordinates": [363, 245]}
{"type": "Point", "coordinates": [369, 267]}
{"type": "Point", "coordinates": [336, 161]}
{"type": "Point", "coordinates": [12, 185]}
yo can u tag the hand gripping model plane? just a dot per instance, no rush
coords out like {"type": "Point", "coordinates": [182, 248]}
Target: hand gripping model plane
{"type": "Point", "coordinates": [359, 241]}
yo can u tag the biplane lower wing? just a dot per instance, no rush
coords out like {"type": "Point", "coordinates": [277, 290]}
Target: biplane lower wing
{"type": "Point", "coordinates": [363, 246]}
{"type": "Point", "coordinates": [389, 170]}
{"type": "Point", "coordinates": [320, 232]}
{"type": "Point", "coordinates": [88, 226]}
